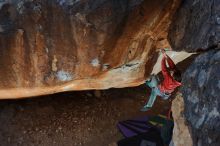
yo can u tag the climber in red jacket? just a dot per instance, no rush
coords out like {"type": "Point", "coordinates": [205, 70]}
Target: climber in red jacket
{"type": "Point", "coordinates": [171, 75]}
{"type": "Point", "coordinates": [172, 78]}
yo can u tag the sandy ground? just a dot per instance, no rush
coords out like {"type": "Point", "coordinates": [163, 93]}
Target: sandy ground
{"type": "Point", "coordinates": [73, 118]}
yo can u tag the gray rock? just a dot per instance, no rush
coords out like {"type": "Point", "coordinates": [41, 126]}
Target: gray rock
{"type": "Point", "coordinates": [202, 98]}
{"type": "Point", "coordinates": [196, 25]}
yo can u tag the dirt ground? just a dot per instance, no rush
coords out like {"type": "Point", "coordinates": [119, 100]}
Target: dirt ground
{"type": "Point", "coordinates": [73, 118]}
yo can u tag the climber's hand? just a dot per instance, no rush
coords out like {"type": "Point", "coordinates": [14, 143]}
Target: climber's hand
{"type": "Point", "coordinates": [163, 51]}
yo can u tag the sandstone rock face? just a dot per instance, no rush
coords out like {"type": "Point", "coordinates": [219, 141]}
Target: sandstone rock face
{"type": "Point", "coordinates": [201, 88]}
{"type": "Point", "coordinates": [196, 25]}
{"type": "Point", "coordinates": [181, 133]}
{"type": "Point", "coordinates": [60, 45]}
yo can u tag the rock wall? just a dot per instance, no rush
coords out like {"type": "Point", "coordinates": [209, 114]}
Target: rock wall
{"type": "Point", "coordinates": [195, 27]}
{"type": "Point", "coordinates": [201, 87]}
{"type": "Point", "coordinates": [181, 132]}
{"type": "Point", "coordinates": [59, 45]}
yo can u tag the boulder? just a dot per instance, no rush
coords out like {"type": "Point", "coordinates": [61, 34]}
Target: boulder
{"type": "Point", "coordinates": [64, 45]}
{"type": "Point", "coordinates": [201, 87]}
{"type": "Point", "coordinates": [196, 25]}
{"type": "Point", "coordinates": [181, 133]}
{"type": "Point", "coordinates": [195, 28]}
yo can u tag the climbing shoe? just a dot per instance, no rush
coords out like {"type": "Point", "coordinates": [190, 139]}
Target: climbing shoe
{"type": "Point", "coordinates": [144, 109]}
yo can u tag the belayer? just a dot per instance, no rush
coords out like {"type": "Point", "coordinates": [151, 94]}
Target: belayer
{"type": "Point", "coordinates": [172, 80]}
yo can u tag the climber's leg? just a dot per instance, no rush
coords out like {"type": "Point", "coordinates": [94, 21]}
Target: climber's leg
{"type": "Point", "coordinates": [152, 82]}
{"type": "Point", "coordinates": [151, 101]}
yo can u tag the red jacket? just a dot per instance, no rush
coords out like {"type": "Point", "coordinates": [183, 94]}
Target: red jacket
{"type": "Point", "coordinates": [169, 84]}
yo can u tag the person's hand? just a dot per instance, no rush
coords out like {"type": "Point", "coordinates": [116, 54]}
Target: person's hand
{"type": "Point", "coordinates": [163, 52]}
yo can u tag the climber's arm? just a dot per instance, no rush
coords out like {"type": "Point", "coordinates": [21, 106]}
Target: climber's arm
{"type": "Point", "coordinates": [170, 62]}
{"type": "Point", "coordinates": [164, 67]}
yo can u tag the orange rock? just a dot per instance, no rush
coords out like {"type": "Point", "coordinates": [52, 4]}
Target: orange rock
{"type": "Point", "coordinates": [56, 47]}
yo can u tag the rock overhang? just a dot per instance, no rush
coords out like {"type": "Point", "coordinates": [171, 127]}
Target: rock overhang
{"type": "Point", "coordinates": [55, 46]}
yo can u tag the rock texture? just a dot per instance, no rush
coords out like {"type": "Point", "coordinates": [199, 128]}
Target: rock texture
{"type": "Point", "coordinates": [201, 87]}
{"type": "Point", "coordinates": [59, 45]}
{"type": "Point", "coordinates": [181, 132]}
{"type": "Point", "coordinates": [196, 25]}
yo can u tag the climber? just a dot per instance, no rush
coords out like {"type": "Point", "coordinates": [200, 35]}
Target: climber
{"type": "Point", "coordinates": [172, 79]}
